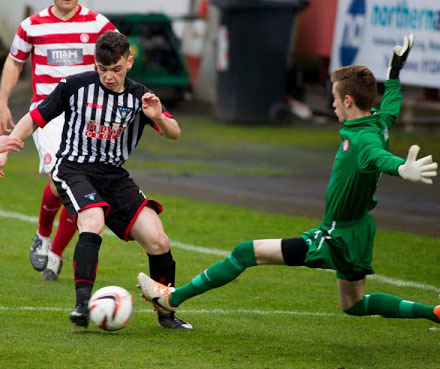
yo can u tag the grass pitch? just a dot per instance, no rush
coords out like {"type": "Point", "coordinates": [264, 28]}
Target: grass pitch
{"type": "Point", "coordinates": [270, 317]}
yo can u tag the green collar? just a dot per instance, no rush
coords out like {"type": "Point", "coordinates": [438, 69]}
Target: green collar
{"type": "Point", "coordinates": [362, 120]}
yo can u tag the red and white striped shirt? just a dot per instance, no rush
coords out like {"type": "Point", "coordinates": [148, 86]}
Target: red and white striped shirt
{"type": "Point", "coordinates": [58, 48]}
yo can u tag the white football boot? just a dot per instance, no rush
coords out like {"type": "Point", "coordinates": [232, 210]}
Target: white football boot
{"type": "Point", "coordinates": [53, 267]}
{"type": "Point", "coordinates": [157, 293]}
{"type": "Point", "coordinates": [38, 252]}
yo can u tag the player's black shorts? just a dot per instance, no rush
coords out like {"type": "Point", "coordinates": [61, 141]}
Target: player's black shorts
{"type": "Point", "coordinates": [86, 185]}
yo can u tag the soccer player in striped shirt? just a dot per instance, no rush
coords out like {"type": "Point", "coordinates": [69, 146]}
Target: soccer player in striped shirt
{"type": "Point", "coordinates": [105, 114]}
{"type": "Point", "coordinates": [61, 41]}
{"type": "Point", "coordinates": [344, 240]}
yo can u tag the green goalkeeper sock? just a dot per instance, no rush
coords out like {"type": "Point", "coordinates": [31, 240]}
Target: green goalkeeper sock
{"type": "Point", "coordinates": [218, 274]}
{"type": "Point", "coordinates": [390, 306]}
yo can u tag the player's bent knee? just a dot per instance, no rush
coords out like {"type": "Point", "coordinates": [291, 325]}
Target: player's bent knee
{"type": "Point", "coordinates": [357, 309]}
{"type": "Point", "coordinates": [91, 220]}
{"type": "Point", "coordinates": [92, 225]}
{"type": "Point", "coordinates": [159, 244]}
{"type": "Point", "coordinates": [164, 243]}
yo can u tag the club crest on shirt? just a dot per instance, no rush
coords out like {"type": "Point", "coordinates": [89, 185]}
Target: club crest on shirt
{"type": "Point", "coordinates": [93, 105]}
{"type": "Point", "coordinates": [91, 196]}
{"type": "Point", "coordinates": [103, 132]}
{"type": "Point", "coordinates": [84, 37]}
{"type": "Point", "coordinates": [345, 145]}
{"type": "Point", "coordinates": [124, 112]}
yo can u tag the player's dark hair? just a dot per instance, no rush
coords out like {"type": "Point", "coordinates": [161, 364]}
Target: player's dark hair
{"type": "Point", "coordinates": [358, 82]}
{"type": "Point", "coordinates": [110, 47]}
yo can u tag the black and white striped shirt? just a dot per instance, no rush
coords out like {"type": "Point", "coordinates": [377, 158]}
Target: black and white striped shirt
{"type": "Point", "coordinates": [101, 126]}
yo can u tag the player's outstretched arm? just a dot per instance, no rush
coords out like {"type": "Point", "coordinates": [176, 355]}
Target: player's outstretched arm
{"type": "Point", "coordinates": [152, 108]}
{"type": "Point", "coordinates": [392, 98]}
{"type": "Point", "coordinates": [418, 170]}
{"type": "Point", "coordinates": [400, 54]}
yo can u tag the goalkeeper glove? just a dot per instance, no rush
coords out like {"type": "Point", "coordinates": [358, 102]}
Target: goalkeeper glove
{"type": "Point", "coordinates": [422, 170]}
{"type": "Point", "coordinates": [398, 59]}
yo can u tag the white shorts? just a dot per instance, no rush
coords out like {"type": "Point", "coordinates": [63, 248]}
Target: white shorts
{"type": "Point", "coordinates": [47, 141]}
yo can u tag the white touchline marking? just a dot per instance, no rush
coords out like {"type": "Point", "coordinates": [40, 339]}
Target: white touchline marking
{"type": "Point", "coordinates": [25, 218]}
{"type": "Point", "coordinates": [217, 252]}
{"type": "Point", "coordinates": [258, 312]}
{"type": "Point", "coordinates": [400, 283]}
{"type": "Point", "coordinates": [200, 249]}
{"type": "Point", "coordinates": [188, 311]}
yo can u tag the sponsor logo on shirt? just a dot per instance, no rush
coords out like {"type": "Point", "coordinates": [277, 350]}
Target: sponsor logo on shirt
{"type": "Point", "coordinates": [93, 105]}
{"type": "Point", "coordinates": [345, 145]}
{"type": "Point", "coordinates": [103, 132]}
{"type": "Point", "coordinates": [64, 56]}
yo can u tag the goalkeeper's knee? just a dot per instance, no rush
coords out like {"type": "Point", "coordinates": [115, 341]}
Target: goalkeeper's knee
{"type": "Point", "coordinates": [222, 272]}
{"type": "Point", "coordinates": [357, 309]}
{"type": "Point", "coordinates": [243, 255]}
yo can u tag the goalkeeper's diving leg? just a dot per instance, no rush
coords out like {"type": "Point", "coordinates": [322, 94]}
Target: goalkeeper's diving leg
{"type": "Point", "coordinates": [246, 254]}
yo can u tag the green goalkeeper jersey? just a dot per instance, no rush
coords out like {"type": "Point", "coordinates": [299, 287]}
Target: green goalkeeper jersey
{"type": "Point", "coordinates": [361, 159]}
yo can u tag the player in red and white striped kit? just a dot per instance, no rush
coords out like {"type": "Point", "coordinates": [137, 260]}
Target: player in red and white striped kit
{"type": "Point", "coordinates": [61, 41]}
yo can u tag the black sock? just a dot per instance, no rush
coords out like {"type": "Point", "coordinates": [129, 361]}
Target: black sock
{"type": "Point", "coordinates": [162, 268]}
{"type": "Point", "coordinates": [85, 263]}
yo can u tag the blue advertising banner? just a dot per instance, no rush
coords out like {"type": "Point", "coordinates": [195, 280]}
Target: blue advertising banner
{"type": "Point", "coordinates": [367, 30]}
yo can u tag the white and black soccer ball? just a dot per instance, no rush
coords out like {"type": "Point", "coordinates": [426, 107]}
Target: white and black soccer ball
{"type": "Point", "coordinates": [111, 308]}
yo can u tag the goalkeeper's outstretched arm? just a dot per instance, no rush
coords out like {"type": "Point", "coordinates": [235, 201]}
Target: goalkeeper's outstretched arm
{"type": "Point", "coordinates": [399, 56]}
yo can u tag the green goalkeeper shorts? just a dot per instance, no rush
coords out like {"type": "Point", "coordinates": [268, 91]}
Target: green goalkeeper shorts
{"type": "Point", "coordinates": [344, 246]}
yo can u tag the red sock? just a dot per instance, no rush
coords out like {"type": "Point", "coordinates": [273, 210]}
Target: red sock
{"type": "Point", "coordinates": [49, 208]}
{"type": "Point", "coordinates": [66, 230]}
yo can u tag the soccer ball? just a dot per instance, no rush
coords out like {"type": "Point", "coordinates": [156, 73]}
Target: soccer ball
{"type": "Point", "coordinates": [111, 308]}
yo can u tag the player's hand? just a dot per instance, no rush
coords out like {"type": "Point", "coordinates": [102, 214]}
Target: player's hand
{"type": "Point", "coordinates": [400, 54]}
{"type": "Point", "coordinates": [151, 106]}
{"type": "Point", "coordinates": [3, 160]}
{"type": "Point", "coordinates": [8, 143]}
{"type": "Point", "coordinates": [5, 120]}
{"type": "Point", "coordinates": [421, 170]}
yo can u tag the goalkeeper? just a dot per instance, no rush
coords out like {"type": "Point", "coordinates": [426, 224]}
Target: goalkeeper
{"type": "Point", "coordinates": [344, 240]}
